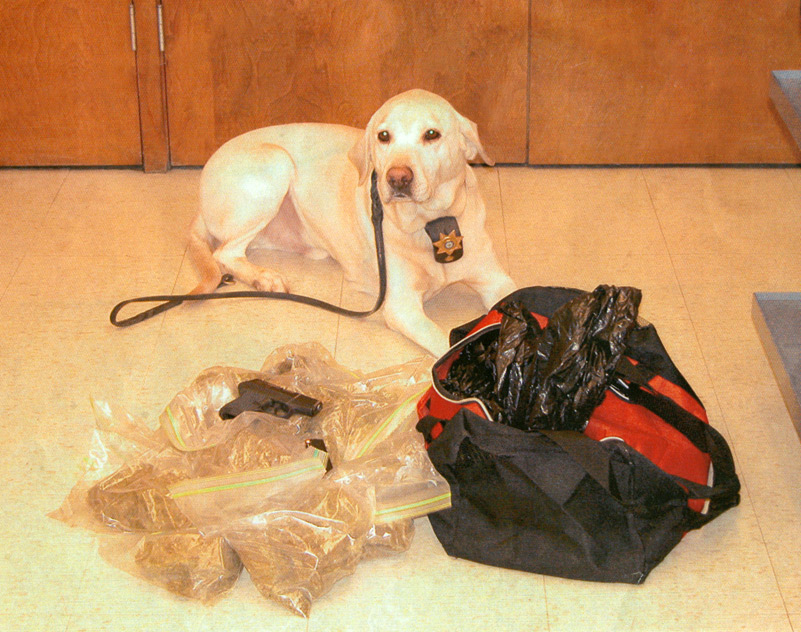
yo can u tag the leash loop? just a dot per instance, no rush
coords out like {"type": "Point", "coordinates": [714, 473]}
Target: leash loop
{"type": "Point", "coordinates": [168, 301]}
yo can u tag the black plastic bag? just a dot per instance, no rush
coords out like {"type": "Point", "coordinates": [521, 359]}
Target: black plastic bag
{"type": "Point", "coordinates": [549, 378]}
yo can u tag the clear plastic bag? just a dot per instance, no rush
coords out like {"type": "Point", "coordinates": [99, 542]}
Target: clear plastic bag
{"type": "Point", "coordinates": [188, 563]}
{"type": "Point", "coordinates": [212, 502]}
{"type": "Point", "coordinates": [191, 420]}
{"type": "Point", "coordinates": [296, 550]}
{"type": "Point", "coordinates": [360, 410]}
{"type": "Point", "coordinates": [405, 482]}
{"type": "Point", "coordinates": [199, 495]}
{"type": "Point", "coordinates": [135, 498]}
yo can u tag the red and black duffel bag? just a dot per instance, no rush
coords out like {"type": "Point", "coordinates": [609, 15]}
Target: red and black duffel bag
{"type": "Point", "coordinates": [612, 461]}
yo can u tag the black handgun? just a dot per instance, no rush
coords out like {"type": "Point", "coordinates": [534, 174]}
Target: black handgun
{"type": "Point", "coordinates": [263, 397]}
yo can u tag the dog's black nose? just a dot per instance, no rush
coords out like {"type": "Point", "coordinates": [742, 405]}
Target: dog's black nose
{"type": "Point", "coordinates": [400, 178]}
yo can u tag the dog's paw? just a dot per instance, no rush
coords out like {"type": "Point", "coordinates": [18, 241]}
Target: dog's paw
{"type": "Point", "coordinates": [270, 283]}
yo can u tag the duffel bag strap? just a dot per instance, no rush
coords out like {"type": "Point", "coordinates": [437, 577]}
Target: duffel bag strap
{"type": "Point", "coordinates": [584, 451]}
{"type": "Point", "coordinates": [724, 493]}
{"type": "Point", "coordinates": [430, 427]}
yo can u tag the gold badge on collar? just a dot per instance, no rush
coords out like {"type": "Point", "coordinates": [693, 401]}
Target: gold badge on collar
{"type": "Point", "coordinates": [446, 239]}
{"type": "Point", "coordinates": [448, 245]}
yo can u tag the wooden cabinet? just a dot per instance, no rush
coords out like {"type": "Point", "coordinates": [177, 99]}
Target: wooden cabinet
{"type": "Point", "coordinates": [557, 82]}
{"type": "Point", "coordinates": [68, 84]}
{"type": "Point", "coordinates": [239, 65]}
{"type": "Point", "coordinates": [660, 81]}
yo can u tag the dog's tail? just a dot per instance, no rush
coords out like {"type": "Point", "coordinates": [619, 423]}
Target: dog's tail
{"type": "Point", "coordinates": [202, 257]}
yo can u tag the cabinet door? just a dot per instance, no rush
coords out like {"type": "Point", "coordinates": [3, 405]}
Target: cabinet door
{"type": "Point", "coordinates": [238, 65]}
{"type": "Point", "coordinates": [68, 84]}
{"type": "Point", "coordinates": [660, 81]}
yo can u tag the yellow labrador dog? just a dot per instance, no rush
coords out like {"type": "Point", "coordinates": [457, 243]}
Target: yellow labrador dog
{"type": "Point", "coordinates": [305, 188]}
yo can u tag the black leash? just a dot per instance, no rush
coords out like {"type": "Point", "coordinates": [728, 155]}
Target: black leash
{"type": "Point", "coordinates": [168, 301]}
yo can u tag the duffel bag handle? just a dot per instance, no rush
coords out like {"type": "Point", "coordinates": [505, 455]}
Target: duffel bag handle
{"type": "Point", "coordinates": [722, 495]}
{"type": "Point", "coordinates": [725, 491]}
{"type": "Point", "coordinates": [426, 426]}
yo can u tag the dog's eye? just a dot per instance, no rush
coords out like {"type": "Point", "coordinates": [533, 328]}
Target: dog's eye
{"type": "Point", "coordinates": [383, 136]}
{"type": "Point", "coordinates": [431, 134]}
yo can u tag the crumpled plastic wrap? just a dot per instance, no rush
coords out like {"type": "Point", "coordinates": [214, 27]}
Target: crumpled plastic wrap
{"type": "Point", "coordinates": [204, 497]}
{"type": "Point", "coordinates": [191, 420]}
{"type": "Point", "coordinates": [553, 377]}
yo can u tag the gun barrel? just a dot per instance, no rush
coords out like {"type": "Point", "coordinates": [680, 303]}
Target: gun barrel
{"type": "Point", "coordinates": [305, 405]}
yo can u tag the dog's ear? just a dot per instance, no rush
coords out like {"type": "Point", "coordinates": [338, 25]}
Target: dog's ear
{"type": "Point", "coordinates": [359, 155]}
{"type": "Point", "coordinates": [473, 146]}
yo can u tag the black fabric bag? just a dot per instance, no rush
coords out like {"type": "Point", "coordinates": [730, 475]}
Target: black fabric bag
{"type": "Point", "coordinates": [560, 503]}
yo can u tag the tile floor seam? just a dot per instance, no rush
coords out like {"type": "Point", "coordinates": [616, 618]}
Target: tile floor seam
{"type": "Point", "coordinates": [503, 217]}
{"type": "Point", "coordinates": [163, 317]}
{"type": "Point", "coordinates": [47, 215]}
{"type": "Point", "coordinates": [73, 603]}
{"type": "Point", "coordinates": [795, 182]}
{"type": "Point", "coordinates": [547, 611]}
{"type": "Point", "coordinates": [666, 243]}
{"type": "Point", "coordinates": [737, 460]}
{"type": "Point", "coordinates": [681, 291]}
{"type": "Point", "coordinates": [744, 485]}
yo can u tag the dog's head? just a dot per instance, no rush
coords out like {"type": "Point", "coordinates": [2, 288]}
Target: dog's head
{"type": "Point", "coordinates": [419, 146]}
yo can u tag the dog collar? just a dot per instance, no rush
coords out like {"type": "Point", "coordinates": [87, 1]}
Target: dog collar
{"type": "Point", "coordinates": [445, 239]}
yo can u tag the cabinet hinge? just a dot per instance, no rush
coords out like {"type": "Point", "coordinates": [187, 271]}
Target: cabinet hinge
{"type": "Point", "coordinates": [161, 28]}
{"type": "Point", "coordinates": [132, 16]}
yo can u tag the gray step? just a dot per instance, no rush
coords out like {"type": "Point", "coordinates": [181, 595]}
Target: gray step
{"type": "Point", "coordinates": [785, 91]}
{"type": "Point", "coordinates": [777, 317]}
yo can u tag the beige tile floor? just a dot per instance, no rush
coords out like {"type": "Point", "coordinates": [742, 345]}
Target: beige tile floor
{"type": "Point", "coordinates": [698, 242]}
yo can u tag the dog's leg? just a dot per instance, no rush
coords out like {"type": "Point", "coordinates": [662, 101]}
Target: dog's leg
{"type": "Point", "coordinates": [241, 193]}
{"type": "Point", "coordinates": [201, 254]}
{"type": "Point", "coordinates": [232, 258]}
{"type": "Point", "coordinates": [492, 284]}
{"type": "Point", "coordinates": [408, 318]}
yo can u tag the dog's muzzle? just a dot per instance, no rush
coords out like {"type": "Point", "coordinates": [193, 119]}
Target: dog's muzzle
{"type": "Point", "coordinates": [445, 239]}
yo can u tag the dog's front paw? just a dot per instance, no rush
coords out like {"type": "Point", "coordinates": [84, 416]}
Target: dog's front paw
{"type": "Point", "coordinates": [269, 282]}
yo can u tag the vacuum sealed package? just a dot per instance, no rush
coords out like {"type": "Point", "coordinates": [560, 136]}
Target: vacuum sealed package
{"type": "Point", "coordinates": [294, 473]}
